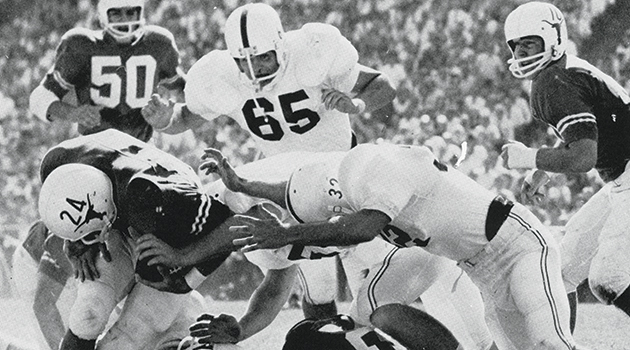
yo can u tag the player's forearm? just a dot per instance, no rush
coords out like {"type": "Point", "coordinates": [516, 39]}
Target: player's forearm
{"type": "Point", "coordinates": [345, 230]}
{"type": "Point", "coordinates": [217, 242]}
{"type": "Point", "coordinates": [61, 111]}
{"type": "Point", "coordinates": [272, 191]}
{"type": "Point", "coordinates": [267, 301]}
{"type": "Point", "coordinates": [577, 157]}
{"type": "Point", "coordinates": [375, 89]}
{"type": "Point", "coordinates": [182, 120]}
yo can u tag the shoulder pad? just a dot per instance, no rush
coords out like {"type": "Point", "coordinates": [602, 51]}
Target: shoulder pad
{"type": "Point", "coordinates": [157, 33]}
{"type": "Point", "coordinates": [319, 51]}
{"type": "Point", "coordinates": [211, 84]}
{"type": "Point", "coordinates": [80, 34]}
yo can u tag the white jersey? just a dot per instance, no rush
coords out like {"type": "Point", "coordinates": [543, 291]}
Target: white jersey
{"type": "Point", "coordinates": [431, 205]}
{"type": "Point", "coordinates": [288, 113]}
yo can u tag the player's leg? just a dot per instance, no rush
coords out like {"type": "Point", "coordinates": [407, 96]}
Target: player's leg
{"type": "Point", "coordinates": [318, 279]}
{"type": "Point", "coordinates": [455, 300]}
{"type": "Point", "coordinates": [534, 298]}
{"type": "Point", "coordinates": [146, 315]}
{"type": "Point", "coordinates": [399, 277]}
{"type": "Point", "coordinates": [579, 245]}
{"type": "Point", "coordinates": [427, 333]}
{"type": "Point", "coordinates": [609, 276]}
{"type": "Point", "coordinates": [193, 307]}
{"type": "Point", "coordinates": [97, 299]}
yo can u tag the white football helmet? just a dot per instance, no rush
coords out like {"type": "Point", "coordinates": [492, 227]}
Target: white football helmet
{"type": "Point", "coordinates": [122, 31]}
{"type": "Point", "coordinates": [316, 184]}
{"type": "Point", "coordinates": [76, 202]}
{"type": "Point", "coordinates": [254, 29]}
{"type": "Point", "coordinates": [536, 19]}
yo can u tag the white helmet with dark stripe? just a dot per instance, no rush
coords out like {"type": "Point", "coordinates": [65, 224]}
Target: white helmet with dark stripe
{"type": "Point", "coordinates": [254, 29]}
{"type": "Point", "coordinates": [539, 19]}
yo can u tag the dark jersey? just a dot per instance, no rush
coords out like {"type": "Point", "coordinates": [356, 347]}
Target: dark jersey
{"type": "Point", "coordinates": [579, 101]}
{"type": "Point", "coordinates": [120, 77]}
{"type": "Point", "coordinates": [154, 192]}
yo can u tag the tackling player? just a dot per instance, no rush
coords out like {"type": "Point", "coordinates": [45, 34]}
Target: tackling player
{"type": "Point", "coordinates": [113, 71]}
{"type": "Point", "coordinates": [378, 274]}
{"type": "Point", "coordinates": [406, 196]}
{"type": "Point", "coordinates": [590, 113]}
{"type": "Point", "coordinates": [292, 91]}
{"type": "Point", "coordinates": [100, 192]}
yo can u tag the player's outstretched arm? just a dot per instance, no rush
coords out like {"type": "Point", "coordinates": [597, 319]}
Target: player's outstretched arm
{"type": "Point", "coordinates": [263, 307]}
{"type": "Point", "coordinates": [217, 242]}
{"type": "Point", "coordinates": [215, 162]}
{"type": "Point", "coordinates": [346, 230]}
{"type": "Point", "coordinates": [169, 117]}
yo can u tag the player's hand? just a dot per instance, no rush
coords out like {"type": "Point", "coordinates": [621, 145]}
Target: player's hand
{"type": "Point", "coordinates": [518, 156]}
{"type": "Point", "coordinates": [86, 115]}
{"type": "Point", "coordinates": [172, 283]}
{"type": "Point", "coordinates": [158, 252]}
{"type": "Point", "coordinates": [83, 258]}
{"type": "Point", "coordinates": [530, 191]}
{"type": "Point", "coordinates": [215, 162]}
{"type": "Point", "coordinates": [259, 234]}
{"type": "Point", "coordinates": [158, 111]}
{"type": "Point", "coordinates": [211, 330]}
{"type": "Point", "coordinates": [335, 99]}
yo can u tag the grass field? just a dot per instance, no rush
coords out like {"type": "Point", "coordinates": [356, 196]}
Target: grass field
{"type": "Point", "coordinates": [599, 327]}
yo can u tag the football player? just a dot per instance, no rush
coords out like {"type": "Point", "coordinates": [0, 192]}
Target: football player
{"type": "Point", "coordinates": [292, 91]}
{"type": "Point", "coordinates": [378, 274]}
{"type": "Point", "coordinates": [43, 277]}
{"type": "Point", "coordinates": [99, 193]}
{"type": "Point", "coordinates": [590, 113]}
{"type": "Point", "coordinates": [406, 196]}
{"type": "Point", "coordinates": [113, 71]}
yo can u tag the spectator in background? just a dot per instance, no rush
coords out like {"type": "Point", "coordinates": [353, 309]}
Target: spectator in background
{"type": "Point", "coordinates": [293, 91]}
{"type": "Point", "coordinates": [590, 113]}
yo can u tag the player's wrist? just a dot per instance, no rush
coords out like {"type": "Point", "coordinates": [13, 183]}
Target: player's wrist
{"type": "Point", "coordinates": [523, 158]}
{"type": "Point", "coordinates": [175, 113]}
{"type": "Point", "coordinates": [194, 278]}
{"type": "Point", "coordinates": [359, 104]}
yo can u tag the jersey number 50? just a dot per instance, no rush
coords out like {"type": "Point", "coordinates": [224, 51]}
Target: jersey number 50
{"type": "Point", "coordinates": [268, 128]}
{"type": "Point", "coordinates": [139, 73]}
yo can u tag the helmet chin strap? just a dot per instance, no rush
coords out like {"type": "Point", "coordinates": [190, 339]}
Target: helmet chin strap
{"type": "Point", "coordinates": [102, 236]}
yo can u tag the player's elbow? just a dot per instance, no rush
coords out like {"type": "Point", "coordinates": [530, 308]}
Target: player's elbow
{"type": "Point", "coordinates": [386, 90]}
{"type": "Point", "coordinates": [583, 155]}
{"type": "Point", "coordinates": [39, 101]}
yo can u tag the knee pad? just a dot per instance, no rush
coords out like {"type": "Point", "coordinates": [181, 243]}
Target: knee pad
{"type": "Point", "coordinates": [89, 315]}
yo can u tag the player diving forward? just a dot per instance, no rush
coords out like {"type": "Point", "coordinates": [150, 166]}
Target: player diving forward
{"type": "Point", "coordinates": [100, 192]}
{"type": "Point", "coordinates": [378, 275]}
{"type": "Point", "coordinates": [410, 199]}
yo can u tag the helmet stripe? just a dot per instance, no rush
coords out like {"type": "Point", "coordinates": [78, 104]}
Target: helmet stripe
{"type": "Point", "coordinates": [244, 28]}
